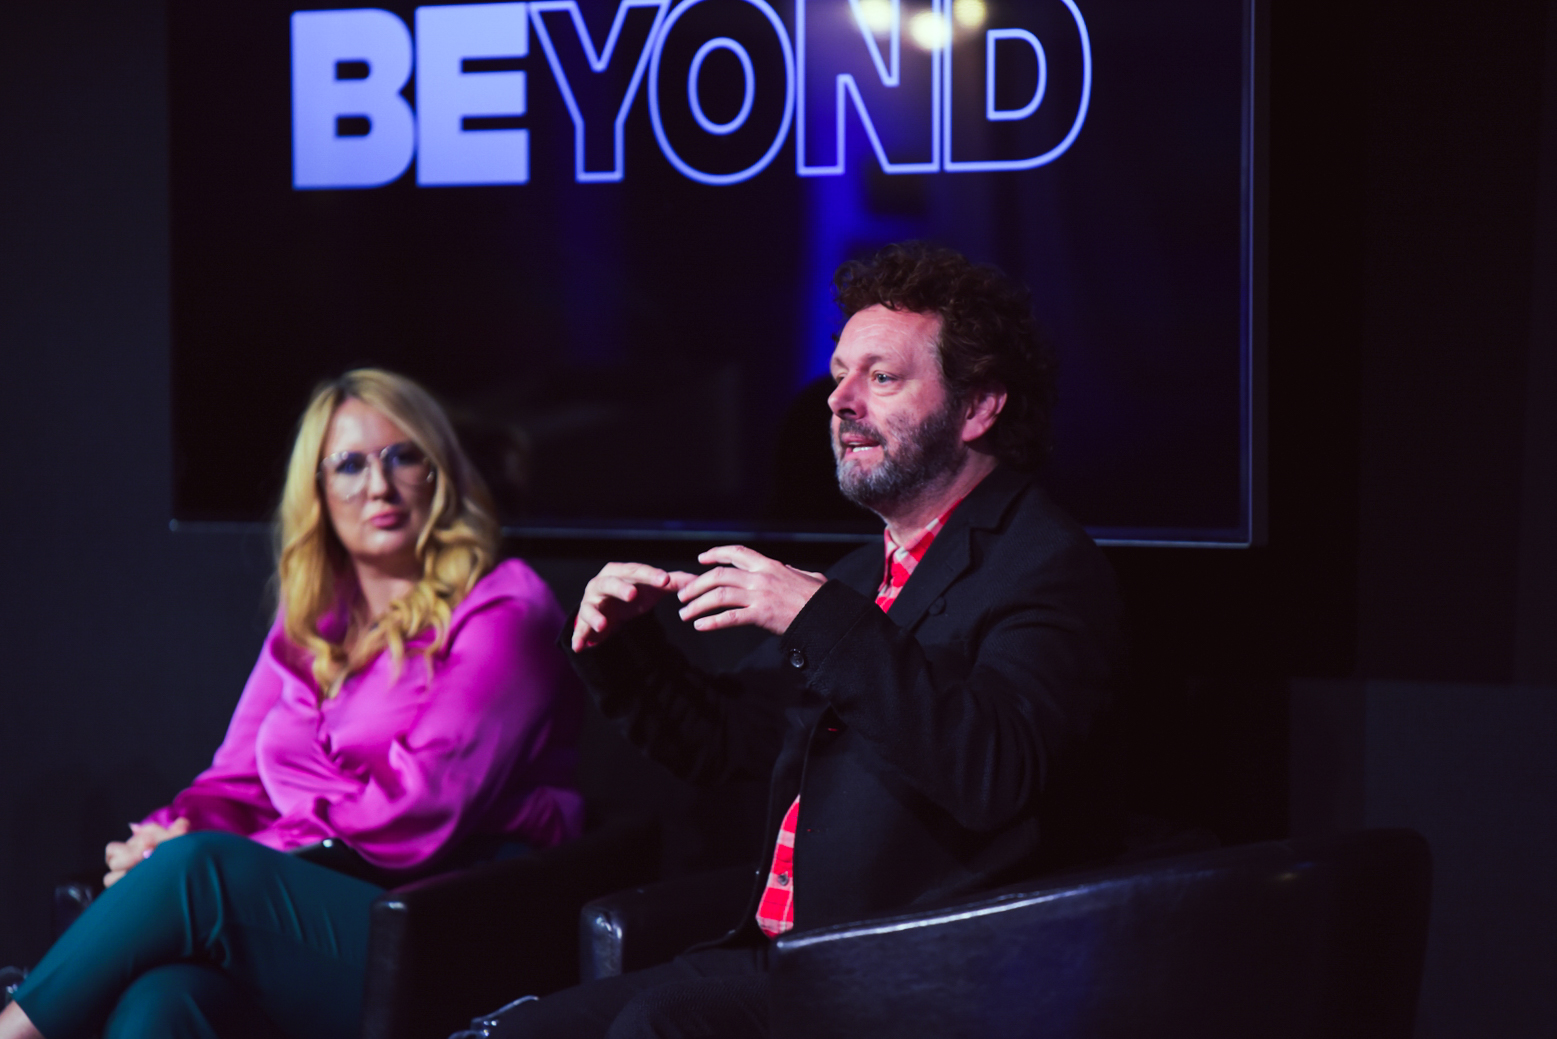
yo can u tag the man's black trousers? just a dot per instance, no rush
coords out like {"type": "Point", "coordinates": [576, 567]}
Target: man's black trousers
{"type": "Point", "coordinates": [709, 994]}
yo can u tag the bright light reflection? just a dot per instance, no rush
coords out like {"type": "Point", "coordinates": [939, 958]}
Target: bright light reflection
{"type": "Point", "coordinates": [929, 30]}
{"type": "Point", "coordinates": [969, 13]}
{"type": "Point", "coordinates": [877, 15]}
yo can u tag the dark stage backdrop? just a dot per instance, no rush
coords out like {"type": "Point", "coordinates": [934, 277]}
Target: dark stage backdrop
{"type": "Point", "coordinates": [604, 232]}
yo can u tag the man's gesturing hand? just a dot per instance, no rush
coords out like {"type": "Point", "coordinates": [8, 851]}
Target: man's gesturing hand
{"type": "Point", "coordinates": [617, 594]}
{"type": "Point", "coordinates": [749, 588]}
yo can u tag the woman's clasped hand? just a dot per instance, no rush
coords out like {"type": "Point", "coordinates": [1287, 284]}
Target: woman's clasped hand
{"type": "Point", "coordinates": [123, 856]}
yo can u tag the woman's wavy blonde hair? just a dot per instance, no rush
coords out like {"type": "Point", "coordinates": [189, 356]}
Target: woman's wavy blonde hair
{"type": "Point", "coordinates": [457, 548]}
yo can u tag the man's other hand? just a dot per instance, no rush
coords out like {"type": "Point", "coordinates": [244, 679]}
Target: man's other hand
{"type": "Point", "coordinates": [747, 588]}
{"type": "Point", "coordinates": [617, 594]}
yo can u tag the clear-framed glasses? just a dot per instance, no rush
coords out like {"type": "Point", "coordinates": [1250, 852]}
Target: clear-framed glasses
{"type": "Point", "coordinates": [344, 474]}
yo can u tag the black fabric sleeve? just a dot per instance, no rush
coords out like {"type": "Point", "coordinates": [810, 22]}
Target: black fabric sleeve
{"type": "Point", "coordinates": [704, 728]}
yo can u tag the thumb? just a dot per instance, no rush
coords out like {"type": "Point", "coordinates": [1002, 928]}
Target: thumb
{"type": "Point", "coordinates": [179, 828]}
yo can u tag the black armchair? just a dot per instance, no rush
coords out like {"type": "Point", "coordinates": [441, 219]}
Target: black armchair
{"type": "Point", "coordinates": [1282, 940]}
{"type": "Point", "coordinates": [445, 949]}
{"type": "Point", "coordinates": [630, 930]}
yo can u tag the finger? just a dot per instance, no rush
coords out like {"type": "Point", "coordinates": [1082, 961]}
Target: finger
{"type": "Point", "coordinates": [718, 577]}
{"type": "Point", "coordinates": [179, 828]}
{"type": "Point", "coordinates": [593, 620]}
{"type": "Point", "coordinates": [581, 632]}
{"type": "Point", "coordinates": [616, 588]}
{"type": "Point", "coordinates": [737, 556]}
{"type": "Point", "coordinates": [110, 879]}
{"type": "Point", "coordinates": [679, 579]}
{"type": "Point", "coordinates": [721, 598]}
{"type": "Point", "coordinates": [583, 637]}
{"type": "Point", "coordinates": [728, 619]}
{"type": "Point", "coordinates": [637, 573]}
{"type": "Point", "coordinates": [591, 628]}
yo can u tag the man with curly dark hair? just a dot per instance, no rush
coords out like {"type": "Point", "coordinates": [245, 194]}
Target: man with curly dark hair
{"type": "Point", "coordinates": [987, 335]}
{"type": "Point", "coordinates": [921, 712]}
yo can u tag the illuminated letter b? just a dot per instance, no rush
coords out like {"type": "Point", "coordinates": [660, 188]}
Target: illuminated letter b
{"type": "Point", "coordinates": [350, 126]}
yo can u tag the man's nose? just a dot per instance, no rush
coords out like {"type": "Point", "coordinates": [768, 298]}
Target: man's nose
{"type": "Point", "coordinates": [843, 400]}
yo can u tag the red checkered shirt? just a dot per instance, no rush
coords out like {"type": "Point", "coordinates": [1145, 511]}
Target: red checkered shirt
{"type": "Point", "coordinates": [776, 911]}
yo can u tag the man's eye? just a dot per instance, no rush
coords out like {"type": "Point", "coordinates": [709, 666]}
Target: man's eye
{"type": "Point", "coordinates": [880, 377]}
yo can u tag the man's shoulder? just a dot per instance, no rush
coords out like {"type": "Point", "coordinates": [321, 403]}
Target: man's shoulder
{"type": "Point", "coordinates": [1018, 532]}
{"type": "Point", "coordinates": [1015, 529]}
{"type": "Point", "coordinates": [1034, 512]}
{"type": "Point", "coordinates": [1009, 501]}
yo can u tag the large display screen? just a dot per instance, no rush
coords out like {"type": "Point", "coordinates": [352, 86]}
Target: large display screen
{"type": "Point", "coordinates": [604, 233]}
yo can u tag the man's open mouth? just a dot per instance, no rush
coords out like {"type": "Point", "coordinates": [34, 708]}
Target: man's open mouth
{"type": "Point", "coordinates": [856, 441]}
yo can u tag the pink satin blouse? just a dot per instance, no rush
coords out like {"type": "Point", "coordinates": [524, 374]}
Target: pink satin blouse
{"type": "Point", "coordinates": [398, 766]}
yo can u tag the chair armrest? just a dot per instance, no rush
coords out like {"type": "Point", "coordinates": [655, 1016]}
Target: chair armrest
{"type": "Point", "coordinates": [335, 854]}
{"type": "Point", "coordinates": [649, 925]}
{"type": "Point", "coordinates": [444, 949]}
{"type": "Point", "coordinates": [71, 899]}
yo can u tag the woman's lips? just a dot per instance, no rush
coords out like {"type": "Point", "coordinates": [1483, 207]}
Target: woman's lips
{"type": "Point", "coordinates": [388, 520]}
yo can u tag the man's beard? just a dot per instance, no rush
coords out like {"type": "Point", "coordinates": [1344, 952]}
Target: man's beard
{"type": "Point", "coordinates": [919, 457]}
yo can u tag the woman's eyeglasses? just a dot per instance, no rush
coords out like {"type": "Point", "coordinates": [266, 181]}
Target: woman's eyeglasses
{"type": "Point", "coordinates": [345, 473]}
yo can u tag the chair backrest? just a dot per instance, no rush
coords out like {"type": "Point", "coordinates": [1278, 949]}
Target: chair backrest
{"type": "Point", "coordinates": [1281, 940]}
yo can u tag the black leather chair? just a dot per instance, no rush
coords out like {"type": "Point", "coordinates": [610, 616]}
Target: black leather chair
{"type": "Point", "coordinates": [447, 947]}
{"type": "Point", "coordinates": [648, 925]}
{"type": "Point", "coordinates": [1282, 940]}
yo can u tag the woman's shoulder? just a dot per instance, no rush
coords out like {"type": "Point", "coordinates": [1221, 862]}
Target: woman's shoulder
{"type": "Point", "coordinates": [511, 585]}
{"type": "Point", "coordinates": [279, 650]}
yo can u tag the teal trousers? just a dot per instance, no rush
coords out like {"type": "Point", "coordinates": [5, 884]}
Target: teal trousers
{"type": "Point", "coordinates": [212, 937]}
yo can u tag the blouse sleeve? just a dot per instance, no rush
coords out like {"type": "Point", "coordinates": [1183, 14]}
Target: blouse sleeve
{"type": "Point", "coordinates": [229, 795]}
{"type": "Point", "coordinates": [496, 703]}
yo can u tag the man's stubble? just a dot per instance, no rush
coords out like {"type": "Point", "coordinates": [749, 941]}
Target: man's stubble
{"type": "Point", "coordinates": [922, 455]}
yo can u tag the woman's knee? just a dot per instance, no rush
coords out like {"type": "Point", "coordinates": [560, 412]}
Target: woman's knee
{"type": "Point", "coordinates": [203, 870]}
{"type": "Point", "coordinates": [189, 853]}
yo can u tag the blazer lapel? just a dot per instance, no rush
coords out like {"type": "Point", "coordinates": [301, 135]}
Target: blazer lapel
{"type": "Point", "coordinates": [952, 550]}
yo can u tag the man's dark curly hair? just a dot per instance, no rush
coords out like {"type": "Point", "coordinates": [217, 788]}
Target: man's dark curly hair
{"type": "Point", "coordinates": [988, 334]}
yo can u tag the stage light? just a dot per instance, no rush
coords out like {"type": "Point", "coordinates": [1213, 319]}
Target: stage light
{"type": "Point", "coordinates": [969, 13]}
{"type": "Point", "coordinates": [876, 15]}
{"type": "Point", "coordinates": [929, 30]}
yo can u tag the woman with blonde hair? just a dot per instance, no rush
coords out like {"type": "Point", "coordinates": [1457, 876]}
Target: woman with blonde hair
{"type": "Point", "coordinates": [409, 700]}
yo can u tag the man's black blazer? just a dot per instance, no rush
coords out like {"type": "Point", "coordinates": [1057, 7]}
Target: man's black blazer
{"type": "Point", "coordinates": [933, 746]}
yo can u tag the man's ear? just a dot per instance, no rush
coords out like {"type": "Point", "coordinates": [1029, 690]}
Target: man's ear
{"type": "Point", "coordinates": [983, 408]}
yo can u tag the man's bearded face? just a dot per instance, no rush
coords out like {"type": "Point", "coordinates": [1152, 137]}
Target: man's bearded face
{"type": "Point", "coordinates": [913, 456]}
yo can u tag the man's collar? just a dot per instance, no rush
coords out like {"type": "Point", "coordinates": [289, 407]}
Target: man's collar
{"type": "Point", "coordinates": [963, 483]}
{"type": "Point", "coordinates": [984, 508]}
{"type": "Point", "coordinates": [918, 537]}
